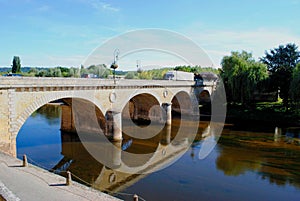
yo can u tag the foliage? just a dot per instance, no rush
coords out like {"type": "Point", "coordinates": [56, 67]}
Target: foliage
{"type": "Point", "coordinates": [280, 62]}
{"type": "Point", "coordinates": [54, 72]}
{"type": "Point", "coordinates": [241, 75]}
{"type": "Point", "coordinates": [100, 71]}
{"type": "Point", "coordinates": [263, 113]}
{"type": "Point", "coordinates": [196, 69]}
{"type": "Point", "coordinates": [131, 75]}
{"type": "Point", "coordinates": [16, 66]}
{"type": "Point", "coordinates": [157, 74]}
{"type": "Point", "coordinates": [154, 74]}
{"type": "Point", "coordinates": [295, 85]}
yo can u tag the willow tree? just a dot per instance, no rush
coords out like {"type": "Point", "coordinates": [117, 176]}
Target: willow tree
{"type": "Point", "coordinates": [241, 75]}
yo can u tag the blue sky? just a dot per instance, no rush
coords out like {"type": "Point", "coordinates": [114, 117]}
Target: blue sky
{"type": "Point", "coordinates": [65, 32]}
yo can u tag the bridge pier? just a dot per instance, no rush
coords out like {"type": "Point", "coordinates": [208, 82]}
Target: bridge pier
{"type": "Point", "coordinates": [117, 126]}
{"type": "Point", "coordinates": [166, 136]}
{"type": "Point", "coordinates": [114, 125]}
{"type": "Point", "coordinates": [67, 120]}
{"type": "Point", "coordinates": [116, 155]}
{"type": "Point", "coordinates": [168, 108]}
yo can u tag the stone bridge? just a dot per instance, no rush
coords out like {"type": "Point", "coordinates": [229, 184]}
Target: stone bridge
{"type": "Point", "coordinates": [110, 100]}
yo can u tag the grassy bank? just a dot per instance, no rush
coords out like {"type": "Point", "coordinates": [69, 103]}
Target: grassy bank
{"type": "Point", "coordinates": [263, 113]}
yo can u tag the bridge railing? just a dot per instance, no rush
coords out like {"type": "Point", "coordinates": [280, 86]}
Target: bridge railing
{"type": "Point", "coordinates": [13, 82]}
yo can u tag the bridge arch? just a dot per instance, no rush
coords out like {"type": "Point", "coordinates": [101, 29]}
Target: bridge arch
{"type": "Point", "coordinates": [47, 98]}
{"type": "Point", "coordinates": [143, 107]}
{"type": "Point", "coordinates": [204, 99]}
{"type": "Point", "coordinates": [124, 97]}
{"type": "Point", "coordinates": [204, 96]}
{"type": "Point", "coordinates": [183, 103]}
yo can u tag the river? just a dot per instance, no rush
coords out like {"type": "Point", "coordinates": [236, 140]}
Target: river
{"type": "Point", "coordinates": [244, 165]}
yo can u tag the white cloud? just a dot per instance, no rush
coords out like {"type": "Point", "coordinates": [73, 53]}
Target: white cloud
{"type": "Point", "coordinates": [100, 5]}
{"type": "Point", "coordinates": [218, 43]}
{"type": "Point", "coordinates": [155, 47]}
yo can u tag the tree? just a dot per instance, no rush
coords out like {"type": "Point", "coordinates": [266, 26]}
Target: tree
{"type": "Point", "coordinates": [71, 72]}
{"type": "Point", "coordinates": [100, 70]}
{"type": "Point", "coordinates": [241, 75]}
{"type": "Point", "coordinates": [16, 66]}
{"type": "Point", "coordinates": [57, 72]}
{"type": "Point", "coordinates": [41, 73]}
{"type": "Point", "coordinates": [280, 62]}
{"type": "Point", "coordinates": [295, 85]}
{"type": "Point", "coordinates": [130, 75]}
{"type": "Point", "coordinates": [33, 72]}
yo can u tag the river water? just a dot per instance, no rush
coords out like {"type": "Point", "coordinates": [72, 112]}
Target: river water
{"type": "Point", "coordinates": [244, 165]}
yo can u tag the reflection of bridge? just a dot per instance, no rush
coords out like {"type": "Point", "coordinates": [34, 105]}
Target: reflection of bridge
{"type": "Point", "coordinates": [162, 148]}
{"type": "Point", "coordinates": [20, 97]}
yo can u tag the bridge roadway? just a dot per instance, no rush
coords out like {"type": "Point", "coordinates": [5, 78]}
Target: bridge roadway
{"type": "Point", "coordinates": [21, 96]}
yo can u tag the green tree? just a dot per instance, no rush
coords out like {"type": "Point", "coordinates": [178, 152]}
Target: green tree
{"type": "Point", "coordinates": [196, 69]}
{"type": "Point", "coordinates": [16, 66]}
{"type": "Point", "coordinates": [280, 62]}
{"type": "Point", "coordinates": [57, 72]}
{"type": "Point", "coordinates": [100, 70]}
{"type": "Point", "coordinates": [54, 72]}
{"type": "Point", "coordinates": [130, 75]}
{"type": "Point", "coordinates": [64, 72]}
{"type": "Point", "coordinates": [241, 75]}
{"type": "Point", "coordinates": [295, 85]}
{"type": "Point", "coordinates": [32, 72]}
{"type": "Point", "coordinates": [71, 72]}
{"type": "Point", "coordinates": [42, 73]}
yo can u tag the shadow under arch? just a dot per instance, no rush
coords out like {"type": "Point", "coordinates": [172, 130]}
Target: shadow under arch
{"type": "Point", "coordinates": [143, 123]}
{"type": "Point", "coordinates": [183, 103]}
{"type": "Point", "coordinates": [184, 108]}
{"type": "Point", "coordinates": [205, 102]}
{"type": "Point", "coordinates": [85, 116]}
{"type": "Point", "coordinates": [142, 109]}
{"type": "Point", "coordinates": [204, 97]}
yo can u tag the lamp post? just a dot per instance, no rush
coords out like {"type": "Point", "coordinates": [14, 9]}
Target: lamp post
{"type": "Point", "coordinates": [138, 66]}
{"type": "Point", "coordinates": [114, 65]}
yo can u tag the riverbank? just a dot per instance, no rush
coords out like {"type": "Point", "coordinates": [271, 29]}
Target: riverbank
{"type": "Point", "coordinates": [33, 183]}
{"type": "Point", "coordinates": [273, 115]}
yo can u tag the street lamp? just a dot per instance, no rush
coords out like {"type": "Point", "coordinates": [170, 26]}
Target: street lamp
{"type": "Point", "coordinates": [114, 65]}
{"type": "Point", "coordinates": [138, 66]}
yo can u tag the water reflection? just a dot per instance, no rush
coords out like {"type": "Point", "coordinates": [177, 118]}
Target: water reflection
{"type": "Point", "coordinates": [243, 166]}
{"type": "Point", "coordinates": [272, 157]}
{"type": "Point", "coordinates": [288, 135]}
{"type": "Point", "coordinates": [88, 170]}
{"type": "Point", "coordinates": [51, 113]}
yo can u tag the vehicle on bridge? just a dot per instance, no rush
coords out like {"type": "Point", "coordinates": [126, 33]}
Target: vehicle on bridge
{"type": "Point", "coordinates": [199, 78]}
{"type": "Point", "coordinates": [179, 75]}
